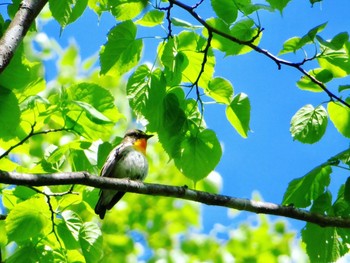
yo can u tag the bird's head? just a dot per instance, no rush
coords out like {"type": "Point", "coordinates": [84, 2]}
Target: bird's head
{"type": "Point", "coordinates": [138, 138]}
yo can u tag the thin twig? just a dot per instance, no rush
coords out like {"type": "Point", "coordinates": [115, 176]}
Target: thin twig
{"type": "Point", "coordinates": [53, 213]}
{"type": "Point", "coordinates": [250, 44]}
{"type": "Point", "coordinates": [31, 134]}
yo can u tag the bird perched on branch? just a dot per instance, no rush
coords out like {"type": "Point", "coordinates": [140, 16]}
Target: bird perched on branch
{"type": "Point", "coordinates": [126, 160]}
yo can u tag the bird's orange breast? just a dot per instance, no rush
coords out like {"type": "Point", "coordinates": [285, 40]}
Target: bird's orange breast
{"type": "Point", "coordinates": [141, 145]}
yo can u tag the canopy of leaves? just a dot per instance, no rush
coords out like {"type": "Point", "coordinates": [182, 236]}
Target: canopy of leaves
{"type": "Point", "coordinates": [71, 123]}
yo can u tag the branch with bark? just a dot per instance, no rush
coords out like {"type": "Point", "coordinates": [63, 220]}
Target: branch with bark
{"type": "Point", "coordinates": [18, 28]}
{"type": "Point", "coordinates": [182, 192]}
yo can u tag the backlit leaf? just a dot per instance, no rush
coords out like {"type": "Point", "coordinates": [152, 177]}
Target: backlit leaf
{"type": "Point", "coordinates": [323, 75]}
{"type": "Point", "coordinates": [343, 87]}
{"type": "Point", "coordinates": [90, 238]}
{"type": "Point", "coordinates": [68, 229]}
{"type": "Point", "coordinates": [225, 9]}
{"type": "Point", "coordinates": [309, 124]}
{"type": "Point", "coordinates": [66, 12]}
{"type": "Point", "coordinates": [302, 191]}
{"type": "Point", "coordinates": [238, 114]}
{"type": "Point", "coordinates": [151, 18]}
{"type": "Point", "coordinates": [9, 112]}
{"type": "Point", "coordinates": [325, 244]}
{"type": "Point", "coordinates": [137, 88]}
{"type": "Point", "coordinates": [340, 116]}
{"type": "Point", "coordinates": [200, 153]}
{"type": "Point", "coordinates": [122, 50]}
{"type": "Point", "coordinates": [28, 219]}
{"type": "Point", "coordinates": [347, 190]}
{"type": "Point", "coordinates": [278, 4]}
{"type": "Point", "coordinates": [127, 9]}
{"type": "Point", "coordinates": [220, 90]}
{"type": "Point", "coordinates": [335, 61]}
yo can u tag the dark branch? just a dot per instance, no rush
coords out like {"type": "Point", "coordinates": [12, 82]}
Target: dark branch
{"type": "Point", "coordinates": [126, 185]}
{"type": "Point", "coordinates": [18, 28]}
{"type": "Point", "coordinates": [251, 44]}
{"type": "Point", "coordinates": [31, 134]}
{"type": "Point", "coordinates": [2, 217]}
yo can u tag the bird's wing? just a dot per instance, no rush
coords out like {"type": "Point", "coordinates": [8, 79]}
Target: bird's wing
{"type": "Point", "coordinates": [112, 159]}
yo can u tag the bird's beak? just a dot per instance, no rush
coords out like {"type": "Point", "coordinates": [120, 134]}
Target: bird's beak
{"type": "Point", "coordinates": [148, 136]}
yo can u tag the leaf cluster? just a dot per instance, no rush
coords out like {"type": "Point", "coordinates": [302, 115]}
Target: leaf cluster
{"type": "Point", "coordinates": [77, 115]}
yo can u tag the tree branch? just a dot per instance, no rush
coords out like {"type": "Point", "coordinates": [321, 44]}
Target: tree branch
{"type": "Point", "coordinates": [18, 28]}
{"type": "Point", "coordinates": [182, 192]}
{"type": "Point", "coordinates": [250, 44]}
{"type": "Point", "coordinates": [31, 134]}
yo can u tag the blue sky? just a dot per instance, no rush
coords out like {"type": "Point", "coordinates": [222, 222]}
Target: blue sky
{"type": "Point", "coordinates": [268, 159]}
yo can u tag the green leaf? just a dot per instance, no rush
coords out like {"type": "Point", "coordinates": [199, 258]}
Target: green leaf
{"type": "Point", "coordinates": [225, 9]}
{"type": "Point", "coordinates": [68, 229]}
{"type": "Point", "coordinates": [154, 110]}
{"type": "Point", "coordinates": [314, 1]}
{"type": "Point", "coordinates": [151, 18]}
{"type": "Point", "coordinates": [337, 62]}
{"type": "Point", "coordinates": [323, 75]}
{"type": "Point", "coordinates": [127, 9]}
{"type": "Point", "coordinates": [302, 191]}
{"type": "Point", "coordinates": [66, 12]}
{"type": "Point", "coordinates": [343, 87]}
{"type": "Point", "coordinates": [246, 7]}
{"type": "Point", "coordinates": [200, 153]}
{"type": "Point", "coordinates": [3, 234]}
{"type": "Point", "coordinates": [309, 124]}
{"type": "Point", "coordinates": [191, 45]}
{"type": "Point", "coordinates": [79, 161]}
{"type": "Point", "coordinates": [90, 238]}
{"type": "Point", "coordinates": [295, 43]}
{"type": "Point", "coordinates": [336, 42]}
{"type": "Point", "coordinates": [343, 156]}
{"type": "Point", "coordinates": [340, 116]}
{"type": "Point", "coordinates": [122, 51]}
{"type": "Point", "coordinates": [93, 114]}
{"type": "Point", "coordinates": [7, 164]}
{"type": "Point", "coordinates": [238, 114]}
{"type": "Point", "coordinates": [171, 132]}
{"type": "Point", "coordinates": [103, 150]}
{"type": "Point", "coordinates": [28, 219]}
{"type": "Point", "coordinates": [9, 112]}
{"type": "Point", "coordinates": [323, 204]}
{"type": "Point", "coordinates": [347, 190]}
{"type": "Point", "coordinates": [89, 104]}
{"type": "Point", "coordinates": [28, 75]}
{"type": "Point", "coordinates": [244, 30]}
{"type": "Point", "coordinates": [23, 192]}
{"type": "Point", "coordinates": [341, 206]}
{"type": "Point", "coordinates": [325, 244]}
{"type": "Point", "coordinates": [220, 90]}
{"type": "Point", "coordinates": [291, 45]}
{"type": "Point", "coordinates": [94, 100]}
{"type": "Point", "coordinates": [24, 254]}
{"type": "Point", "coordinates": [278, 4]}
{"type": "Point", "coordinates": [174, 62]}
{"type": "Point", "coordinates": [182, 23]}
{"type": "Point", "coordinates": [310, 36]}
{"type": "Point", "coordinates": [61, 151]}
{"type": "Point", "coordinates": [137, 88]}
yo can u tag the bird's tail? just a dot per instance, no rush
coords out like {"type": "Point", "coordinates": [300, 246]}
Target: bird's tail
{"type": "Point", "coordinates": [104, 204]}
{"type": "Point", "coordinates": [100, 208]}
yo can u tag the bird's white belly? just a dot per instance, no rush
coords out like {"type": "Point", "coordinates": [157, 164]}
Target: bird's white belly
{"type": "Point", "coordinates": [134, 166]}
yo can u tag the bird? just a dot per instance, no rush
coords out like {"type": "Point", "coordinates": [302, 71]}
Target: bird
{"type": "Point", "coordinates": [126, 160]}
